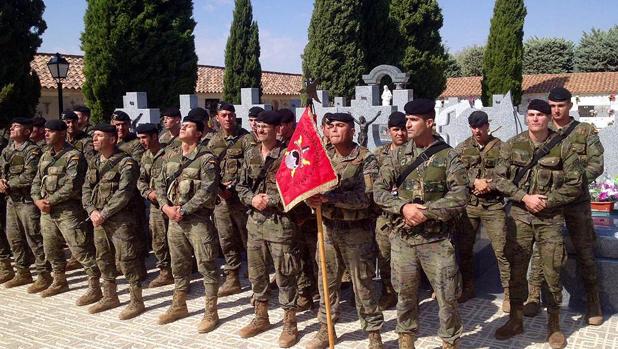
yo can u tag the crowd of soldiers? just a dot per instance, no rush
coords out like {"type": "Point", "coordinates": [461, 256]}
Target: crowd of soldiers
{"type": "Point", "coordinates": [199, 190]}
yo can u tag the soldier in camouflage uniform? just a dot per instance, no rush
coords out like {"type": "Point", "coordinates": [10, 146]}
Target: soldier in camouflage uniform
{"type": "Point", "coordinates": [348, 231]}
{"type": "Point", "coordinates": [538, 193]}
{"type": "Point", "coordinates": [171, 123]}
{"type": "Point", "coordinates": [83, 119]}
{"type": "Point", "coordinates": [228, 145]}
{"type": "Point", "coordinates": [18, 165]}
{"type": "Point", "coordinates": [56, 191]}
{"type": "Point", "coordinates": [424, 202]}
{"type": "Point", "coordinates": [127, 140]}
{"type": "Point", "coordinates": [253, 113]}
{"type": "Point", "coordinates": [150, 168]}
{"type": "Point", "coordinates": [584, 141]}
{"type": "Point", "coordinates": [76, 137]}
{"type": "Point", "coordinates": [186, 192]}
{"type": "Point", "coordinates": [6, 270]}
{"type": "Point", "coordinates": [108, 190]}
{"type": "Point", "coordinates": [480, 154]}
{"type": "Point", "coordinates": [38, 132]}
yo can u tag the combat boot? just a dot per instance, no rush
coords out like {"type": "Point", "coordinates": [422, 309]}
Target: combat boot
{"type": "Point", "coordinates": [304, 301]}
{"type": "Point", "coordinates": [406, 341]}
{"type": "Point", "coordinates": [555, 337]}
{"type": "Point", "coordinates": [211, 316]}
{"type": "Point", "coordinates": [506, 302]}
{"type": "Point", "coordinates": [59, 285]}
{"type": "Point", "coordinates": [388, 299]}
{"type": "Point", "coordinates": [260, 322]}
{"type": "Point", "coordinates": [6, 271]}
{"type": "Point", "coordinates": [136, 304]}
{"type": "Point", "coordinates": [467, 291]}
{"type": "Point", "coordinates": [231, 285]}
{"type": "Point", "coordinates": [72, 264]}
{"type": "Point", "coordinates": [447, 345]}
{"type": "Point", "coordinates": [532, 307]}
{"type": "Point", "coordinates": [514, 326]}
{"type": "Point", "coordinates": [177, 310]}
{"type": "Point", "coordinates": [109, 301]}
{"type": "Point", "coordinates": [375, 340]}
{"type": "Point", "coordinates": [594, 314]}
{"type": "Point", "coordinates": [289, 333]}
{"type": "Point", "coordinates": [22, 277]}
{"type": "Point", "coordinates": [164, 278]}
{"type": "Point", "coordinates": [320, 340]}
{"type": "Point", "coordinates": [93, 293]}
{"type": "Point", "coordinates": [42, 282]}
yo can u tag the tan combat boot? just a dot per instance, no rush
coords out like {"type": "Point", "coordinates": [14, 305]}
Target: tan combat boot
{"type": "Point", "coordinates": [447, 345]}
{"type": "Point", "coordinates": [259, 323]}
{"type": "Point", "coordinates": [555, 337]}
{"type": "Point", "coordinates": [467, 291]}
{"type": "Point", "coordinates": [375, 340]}
{"type": "Point", "coordinates": [506, 301]}
{"type": "Point", "coordinates": [164, 278]}
{"type": "Point", "coordinates": [388, 299]}
{"type": "Point", "coordinates": [231, 285]}
{"type": "Point", "coordinates": [93, 293]}
{"type": "Point", "coordinates": [514, 326]}
{"type": "Point", "coordinates": [177, 310]}
{"type": "Point", "coordinates": [42, 282]}
{"type": "Point", "coordinates": [289, 333]}
{"type": "Point", "coordinates": [6, 271]}
{"type": "Point", "coordinates": [320, 340]}
{"type": "Point", "coordinates": [532, 307]}
{"type": "Point", "coordinates": [136, 304]}
{"type": "Point", "coordinates": [59, 285]}
{"type": "Point", "coordinates": [594, 314]}
{"type": "Point", "coordinates": [109, 301]}
{"type": "Point", "coordinates": [73, 264]}
{"type": "Point", "coordinates": [22, 277]}
{"type": "Point", "coordinates": [406, 341]}
{"type": "Point", "coordinates": [211, 316]}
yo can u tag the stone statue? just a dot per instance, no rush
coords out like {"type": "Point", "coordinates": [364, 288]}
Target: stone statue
{"type": "Point", "coordinates": [364, 128]}
{"type": "Point", "coordinates": [387, 96]}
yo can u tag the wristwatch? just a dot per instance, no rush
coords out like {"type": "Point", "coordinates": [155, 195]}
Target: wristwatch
{"type": "Point", "coordinates": [183, 211]}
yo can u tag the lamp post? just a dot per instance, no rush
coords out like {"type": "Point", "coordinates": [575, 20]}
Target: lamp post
{"type": "Point", "coordinates": [58, 68]}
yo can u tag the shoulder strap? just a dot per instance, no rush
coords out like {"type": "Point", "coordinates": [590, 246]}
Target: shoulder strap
{"type": "Point", "coordinates": [55, 158]}
{"type": "Point", "coordinates": [262, 175]}
{"type": "Point", "coordinates": [185, 163]}
{"type": "Point", "coordinates": [423, 157]}
{"type": "Point", "coordinates": [111, 163]}
{"type": "Point", "coordinates": [490, 145]}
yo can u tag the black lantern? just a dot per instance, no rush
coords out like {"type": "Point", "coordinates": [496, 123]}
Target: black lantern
{"type": "Point", "coordinates": [59, 69]}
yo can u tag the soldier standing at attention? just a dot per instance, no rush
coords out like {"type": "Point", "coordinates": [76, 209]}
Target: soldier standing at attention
{"type": "Point", "coordinates": [349, 231]}
{"type": "Point", "coordinates": [171, 123]}
{"type": "Point", "coordinates": [6, 270]}
{"type": "Point", "coordinates": [76, 137]}
{"type": "Point", "coordinates": [186, 193]}
{"type": "Point", "coordinates": [288, 125]}
{"type": "Point", "coordinates": [18, 166]}
{"type": "Point", "coordinates": [83, 119]}
{"type": "Point", "coordinates": [480, 154]}
{"type": "Point", "coordinates": [253, 114]}
{"type": "Point", "coordinates": [37, 136]}
{"type": "Point", "coordinates": [127, 140]}
{"type": "Point", "coordinates": [425, 186]}
{"type": "Point", "coordinates": [109, 188]}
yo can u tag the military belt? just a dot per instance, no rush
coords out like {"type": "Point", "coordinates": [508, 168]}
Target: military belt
{"type": "Point", "coordinates": [345, 224]}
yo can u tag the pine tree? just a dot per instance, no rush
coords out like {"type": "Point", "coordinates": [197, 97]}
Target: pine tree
{"type": "Point", "coordinates": [21, 27]}
{"type": "Point", "coordinates": [548, 56]}
{"type": "Point", "coordinates": [597, 51]}
{"type": "Point", "coordinates": [242, 53]}
{"type": "Point", "coordinates": [137, 45]}
{"type": "Point", "coordinates": [503, 58]}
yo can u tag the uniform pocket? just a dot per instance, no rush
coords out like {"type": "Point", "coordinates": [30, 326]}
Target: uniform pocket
{"type": "Point", "coordinates": [290, 263]}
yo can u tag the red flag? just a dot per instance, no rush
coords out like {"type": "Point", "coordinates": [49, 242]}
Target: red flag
{"type": "Point", "coordinates": [306, 169]}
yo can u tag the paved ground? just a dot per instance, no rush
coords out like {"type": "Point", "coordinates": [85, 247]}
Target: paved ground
{"type": "Point", "coordinates": [28, 321]}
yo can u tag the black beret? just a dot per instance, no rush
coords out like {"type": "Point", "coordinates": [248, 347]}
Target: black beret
{"type": "Point", "coordinates": [397, 119]}
{"type": "Point", "coordinates": [119, 115]}
{"type": "Point", "coordinates": [420, 106]}
{"type": "Point", "coordinates": [106, 128]}
{"type": "Point", "coordinates": [326, 118]}
{"type": "Point", "coordinates": [55, 125]}
{"type": "Point", "coordinates": [270, 117]}
{"type": "Point", "coordinates": [478, 118]}
{"type": "Point", "coordinates": [198, 112]}
{"type": "Point", "coordinates": [540, 105]}
{"type": "Point", "coordinates": [343, 117]}
{"type": "Point", "coordinates": [38, 121]}
{"type": "Point", "coordinates": [147, 129]}
{"type": "Point", "coordinates": [287, 115]}
{"type": "Point", "coordinates": [171, 111]}
{"type": "Point", "coordinates": [22, 121]}
{"type": "Point", "coordinates": [228, 107]}
{"type": "Point", "coordinates": [255, 111]}
{"type": "Point", "coordinates": [68, 115]}
{"type": "Point", "coordinates": [82, 109]}
{"type": "Point", "coordinates": [198, 121]}
{"type": "Point", "coordinates": [559, 94]}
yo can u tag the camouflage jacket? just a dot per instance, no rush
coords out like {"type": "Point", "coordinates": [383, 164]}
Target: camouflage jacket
{"type": "Point", "coordinates": [229, 151]}
{"type": "Point", "coordinates": [83, 143]}
{"type": "Point", "coordinates": [150, 168]}
{"type": "Point", "coordinates": [89, 130]}
{"type": "Point", "coordinates": [18, 166]}
{"type": "Point", "coordinates": [60, 176]}
{"type": "Point", "coordinates": [131, 145]}
{"type": "Point", "coordinates": [440, 184]}
{"type": "Point", "coordinates": [207, 137]}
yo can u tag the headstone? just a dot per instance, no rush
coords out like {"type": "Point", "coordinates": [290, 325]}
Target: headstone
{"type": "Point", "coordinates": [188, 102]}
{"type": "Point", "coordinates": [249, 98]}
{"type": "Point", "coordinates": [135, 104]}
{"type": "Point", "coordinates": [608, 136]}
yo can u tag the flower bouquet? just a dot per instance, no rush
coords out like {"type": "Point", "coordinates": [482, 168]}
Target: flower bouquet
{"type": "Point", "coordinates": [603, 194]}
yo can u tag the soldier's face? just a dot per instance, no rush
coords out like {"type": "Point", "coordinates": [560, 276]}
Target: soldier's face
{"type": "Point", "coordinates": [72, 126]}
{"type": "Point", "coordinates": [560, 110]}
{"type": "Point", "coordinates": [480, 133]}
{"type": "Point", "coordinates": [418, 126]}
{"type": "Point", "coordinates": [399, 135]}
{"type": "Point", "coordinates": [265, 132]}
{"type": "Point", "coordinates": [226, 119]}
{"type": "Point", "coordinates": [287, 129]}
{"type": "Point", "coordinates": [252, 124]}
{"type": "Point", "coordinates": [341, 133]}
{"type": "Point", "coordinates": [536, 120]}
{"type": "Point", "coordinates": [122, 128]}
{"type": "Point", "coordinates": [171, 122]}
{"type": "Point", "coordinates": [147, 140]}
{"type": "Point", "coordinates": [19, 132]}
{"type": "Point", "coordinates": [103, 141]}
{"type": "Point", "coordinates": [189, 132]}
{"type": "Point", "coordinates": [82, 119]}
{"type": "Point", "coordinates": [54, 137]}
{"type": "Point", "coordinates": [37, 133]}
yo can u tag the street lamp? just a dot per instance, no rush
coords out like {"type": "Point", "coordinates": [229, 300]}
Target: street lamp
{"type": "Point", "coordinates": [59, 68]}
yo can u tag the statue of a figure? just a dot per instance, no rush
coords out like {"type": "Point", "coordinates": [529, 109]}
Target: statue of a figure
{"type": "Point", "coordinates": [364, 128]}
{"type": "Point", "coordinates": [387, 96]}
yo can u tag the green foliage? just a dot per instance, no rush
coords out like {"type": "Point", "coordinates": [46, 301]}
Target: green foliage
{"type": "Point", "coordinates": [470, 60]}
{"type": "Point", "coordinates": [379, 33]}
{"type": "Point", "coordinates": [503, 58]}
{"type": "Point", "coordinates": [137, 45]}
{"type": "Point", "coordinates": [453, 69]}
{"type": "Point", "coordinates": [597, 51]}
{"type": "Point", "coordinates": [242, 53]}
{"type": "Point", "coordinates": [21, 27]}
{"type": "Point", "coordinates": [548, 56]}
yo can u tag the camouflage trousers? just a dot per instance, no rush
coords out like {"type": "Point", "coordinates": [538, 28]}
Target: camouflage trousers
{"type": "Point", "coordinates": [23, 231]}
{"type": "Point", "coordinates": [5, 247]}
{"type": "Point", "coordinates": [384, 248]}
{"type": "Point", "coordinates": [195, 236]}
{"type": "Point", "coordinates": [437, 259]}
{"type": "Point", "coordinates": [351, 246]}
{"type": "Point", "coordinates": [231, 222]}
{"type": "Point", "coordinates": [117, 239]}
{"type": "Point", "coordinates": [158, 223]}
{"type": "Point", "coordinates": [69, 225]}
{"type": "Point", "coordinates": [493, 220]}
{"type": "Point", "coordinates": [307, 280]}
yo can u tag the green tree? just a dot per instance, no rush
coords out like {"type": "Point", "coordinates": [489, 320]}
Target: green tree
{"type": "Point", "coordinates": [453, 69]}
{"type": "Point", "coordinates": [419, 48]}
{"type": "Point", "coordinates": [242, 53]}
{"type": "Point", "coordinates": [379, 33]}
{"type": "Point", "coordinates": [503, 58]}
{"type": "Point", "coordinates": [335, 53]}
{"type": "Point", "coordinates": [548, 56]}
{"type": "Point", "coordinates": [470, 60]}
{"type": "Point", "coordinates": [21, 27]}
{"type": "Point", "coordinates": [597, 51]}
{"type": "Point", "coordinates": [137, 45]}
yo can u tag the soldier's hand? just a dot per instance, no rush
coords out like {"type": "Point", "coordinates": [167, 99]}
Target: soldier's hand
{"type": "Point", "coordinates": [43, 205]}
{"type": "Point", "coordinates": [152, 196]}
{"type": "Point", "coordinates": [413, 214]}
{"type": "Point", "coordinates": [316, 201]}
{"type": "Point", "coordinates": [96, 218]}
{"type": "Point", "coordinates": [3, 186]}
{"type": "Point", "coordinates": [481, 186]}
{"type": "Point", "coordinates": [171, 212]}
{"type": "Point", "coordinates": [225, 194]}
{"type": "Point", "coordinates": [259, 202]}
{"type": "Point", "coordinates": [534, 202]}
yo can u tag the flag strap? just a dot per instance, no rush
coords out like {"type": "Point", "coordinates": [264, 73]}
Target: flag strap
{"type": "Point", "coordinates": [329, 321]}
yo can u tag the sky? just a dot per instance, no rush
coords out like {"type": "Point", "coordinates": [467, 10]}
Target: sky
{"type": "Point", "coordinates": [283, 25]}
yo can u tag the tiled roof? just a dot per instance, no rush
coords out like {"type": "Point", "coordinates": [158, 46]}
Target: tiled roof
{"type": "Point", "coordinates": [209, 78]}
{"type": "Point", "coordinates": [577, 83]}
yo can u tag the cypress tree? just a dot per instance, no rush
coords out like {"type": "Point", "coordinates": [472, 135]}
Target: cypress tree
{"type": "Point", "coordinates": [242, 53]}
{"type": "Point", "coordinates": [503, 57]}
{"type": "Point", "coordinates": [379, 33]}
{"type": "Point", "coordinates": [21, 27]}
